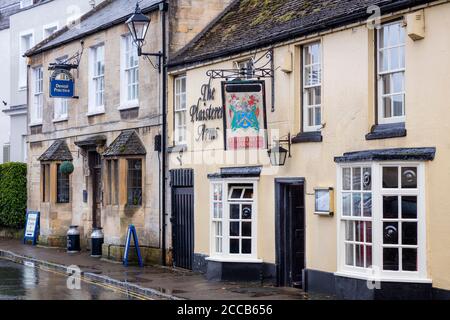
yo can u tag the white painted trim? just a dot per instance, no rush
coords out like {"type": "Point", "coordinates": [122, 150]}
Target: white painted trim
{"type": "Point", "coordinates": [124, 102]}
{"type": "Point", "coordinates": [225, 255]}
{"type": "Point", "coordinates": [233, 259]}
{"type": "Point", "coordinates": [377, 224]}
{"type": "Point", "coordinates": [92, 108]}
{"type": "Point", "coordinates": [363, 276]}
{"type": "Point", "coordinates": [306, 127]}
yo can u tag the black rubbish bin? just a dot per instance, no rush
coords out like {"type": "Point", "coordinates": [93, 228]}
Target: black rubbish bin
{"type": "Point", "coordinates": [97, 239]}
{"type": "Point", "coordinates": [73, 240]}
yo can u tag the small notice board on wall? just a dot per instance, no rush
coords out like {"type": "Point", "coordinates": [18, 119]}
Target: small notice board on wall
{"type": "Point", "coordinates": [31, 227]}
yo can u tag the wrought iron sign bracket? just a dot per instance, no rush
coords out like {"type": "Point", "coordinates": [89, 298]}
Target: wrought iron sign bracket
{"type": "Point", "coordinates": [70, 63]}
{"type": "Point", "coordinates": [265, 71]}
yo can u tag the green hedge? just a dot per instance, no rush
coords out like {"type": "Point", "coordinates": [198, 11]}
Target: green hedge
{"type": "Point", "coordinates": [13, 194]}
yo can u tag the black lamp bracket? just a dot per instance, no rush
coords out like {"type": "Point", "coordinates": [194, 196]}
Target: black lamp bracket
{"type": "Point", "coordinates": [159, 55]}
{"type": "Point", "coordinates": [286, 140]}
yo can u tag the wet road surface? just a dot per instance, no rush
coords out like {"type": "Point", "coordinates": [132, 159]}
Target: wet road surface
{"type": "Point", "coordinates": [21, 282]}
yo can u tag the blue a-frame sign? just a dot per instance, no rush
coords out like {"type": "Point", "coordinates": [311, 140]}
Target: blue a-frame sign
{"type": "Point", "coordinates": [132, 231]}
{"type": "Point", "coordinates": [32, 227]}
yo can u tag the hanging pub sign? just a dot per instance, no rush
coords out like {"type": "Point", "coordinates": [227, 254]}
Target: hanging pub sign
{"type": "Point", "coordinates": [244, 118]}
{"type": "Point", "coordinates": [61, 84]}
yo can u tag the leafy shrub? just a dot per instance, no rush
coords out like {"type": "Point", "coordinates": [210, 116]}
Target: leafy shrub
{"type": "Point", "coordinates": [13, 194]}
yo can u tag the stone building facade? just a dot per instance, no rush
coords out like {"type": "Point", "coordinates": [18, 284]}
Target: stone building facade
{"type": "Point", "coordinates": [108, 131]}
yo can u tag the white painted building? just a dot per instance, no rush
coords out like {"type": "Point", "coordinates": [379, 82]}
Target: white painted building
{"type": "Point", "coordinates": [7, 8]}
{"type": "Point", "coordinates": [35, 21]}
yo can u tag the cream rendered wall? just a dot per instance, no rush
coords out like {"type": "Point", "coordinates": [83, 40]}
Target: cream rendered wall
{"type": "Point", "coordinates": [348, 111]}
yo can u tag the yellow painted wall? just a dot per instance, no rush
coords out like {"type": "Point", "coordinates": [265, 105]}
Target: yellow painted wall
{"type": "Point", "coordinates": [348, 111]}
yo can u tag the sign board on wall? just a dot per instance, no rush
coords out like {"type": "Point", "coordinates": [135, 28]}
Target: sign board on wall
{"type": "Point", "coordinates": [244, 118]}
{"type": "Point", "coordinates": [61, 84]}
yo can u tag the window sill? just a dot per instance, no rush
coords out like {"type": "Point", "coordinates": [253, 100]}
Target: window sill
{"type": "Point", "coordinates": [22, 88]}
{"type": "Point", "coordinates": [234, 259]}
{"type": "Point", "coordinates": [387, 131]}
{"type": "Point", "coordinates": [60, 120]}
{"type": "Point", "coordinates": [128, 106]}
{"type": "Point", "coordinates": [310, 136]}
{"type": "Point", "coordinates": [355, 275]}
{"type": "Point", "coordinates": [35, 123]}
{"type": "Point", "coordinates": [177, 148]}
{"type": "Point", "coordinates": [95, 113]}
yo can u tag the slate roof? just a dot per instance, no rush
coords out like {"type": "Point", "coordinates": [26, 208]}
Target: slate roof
{"type": "Point", "coordinates": [105, 15]}
{"type": "Point", "coordinates": [7, 9]}
{"type": "Point", "coordinates": [251, 24]}
{"type": "Point", "coordinates": [126, 144]}
{"type": "Point", "coordinates": [58, 151]}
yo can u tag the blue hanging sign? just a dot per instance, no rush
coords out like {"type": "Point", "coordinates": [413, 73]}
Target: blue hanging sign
{"type": "Point", "coordinates": [31, 227]}
{"type": "Point", "coordinates": [132, 231]}
{"type": "Point", "coordinates": [61, 84]}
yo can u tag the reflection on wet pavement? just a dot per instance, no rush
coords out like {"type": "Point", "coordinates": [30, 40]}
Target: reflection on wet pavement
{"type": "Point", "coordinates": [20, 282]}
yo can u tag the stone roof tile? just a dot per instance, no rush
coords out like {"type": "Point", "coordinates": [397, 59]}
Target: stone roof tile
{"type": "Point", "coordinates": [250, 24]}
{"type": "Point", "coordinates": [58, 151]}
{"type": "Point", "coordinates": [126, 144]}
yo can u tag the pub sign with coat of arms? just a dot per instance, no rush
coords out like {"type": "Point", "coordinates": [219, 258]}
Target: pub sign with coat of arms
{"type": "Point", "coordinates": [244, 118]}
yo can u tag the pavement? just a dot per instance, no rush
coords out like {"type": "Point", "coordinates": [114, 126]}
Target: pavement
{"type": "Point", "coordinates": [157, 281]}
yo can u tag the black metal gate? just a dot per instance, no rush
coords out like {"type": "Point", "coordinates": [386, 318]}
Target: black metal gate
{"type": "Point", "coordinates": [182, 219]}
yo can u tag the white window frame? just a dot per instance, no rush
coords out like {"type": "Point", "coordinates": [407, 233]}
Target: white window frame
{"type": "Point", "coordinates": [22, 73]}
{"type": "Point", "coordinates": [380, 73]}
{"type": "Point", "coordinates": [60, 105]}
{"type": "Point", "coordinates": [305, 105]}
{"type": "Point", "coordinates": [125, 70]}
{"type": "Point", "coordinates": [47, 27]}
{"type": "Point", "coordinates": [26, 3]}
{"type": "Point", "coordinates": [225, 255]}
{"type": "Point", "coordinates": [180, 129]}
{"type": "Point", "coordinates": [93, 107]}
{"type": "Point", "coordinates": [376, 272]}
{"type": "Point", "coordinates": [248, 65]}
{"type": "Point", "coordinates": [37, 104]}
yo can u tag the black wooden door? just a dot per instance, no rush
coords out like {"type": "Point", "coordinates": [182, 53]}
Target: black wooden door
{"type": "Point", "coordinates": [297, 241]}
{"type": "Point", "coordinates": [182, 218]}
{"type": "Point", "coordinates": [95, 167]}
{"type": "Point", "coordinates": [183, 227]}
{"type": "Point", "coordinates": [290, 234]}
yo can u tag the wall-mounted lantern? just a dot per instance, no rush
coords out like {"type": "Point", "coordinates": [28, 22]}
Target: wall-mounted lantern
{"type": "Point", "coordinates": [278, 154]}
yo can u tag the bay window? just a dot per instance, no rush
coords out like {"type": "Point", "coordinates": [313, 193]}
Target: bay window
{"type": "Point", "coordinates": [97, 80]}
{"type": "Point", "coordinates": [391, 72]}
{"type": "Point", "coordinates": [233, 217]}
{"type": "Point", "coordinates": [180, 110]}
{"type": "Point", "coordinates": [38, 95]}
{"type": "Point", "coordinates": [312, 86]}
{"type": "Point", "coordinates": [382, 220]}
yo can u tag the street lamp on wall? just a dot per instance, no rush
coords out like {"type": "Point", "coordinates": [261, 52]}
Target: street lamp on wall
{"type": "Point", "coordinates": [278, 154]}
{"type": "Point", "coordinates": [138, 25]}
